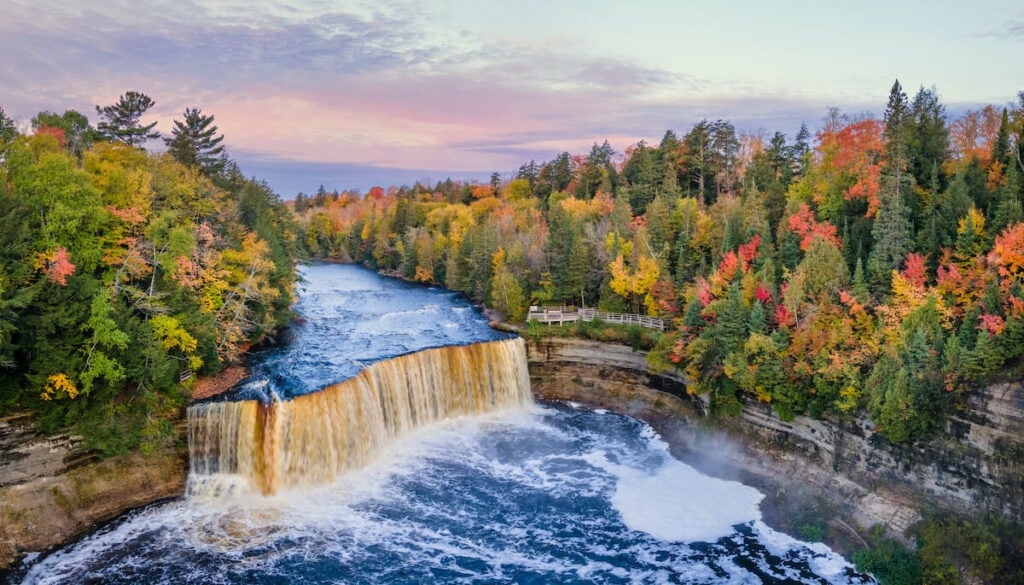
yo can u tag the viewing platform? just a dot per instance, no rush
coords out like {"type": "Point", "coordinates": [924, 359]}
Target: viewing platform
{"type": "Point", "coordinates": [559, 315]}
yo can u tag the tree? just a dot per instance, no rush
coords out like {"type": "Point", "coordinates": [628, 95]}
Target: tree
{"type": "Point", "coordinates": [77, 131]}
{"type": "Point", "coordinates": [7, 129]}
{"type": "Point", "coordinates": [122, 121]}
{"type": "Point", "coordinates": [897, 117]}
{"type": "Point", "coordinates": [506, 294]}
{"type": "Point", "coordinates": [823, 268]}
{"type": "Point", "coordinates": [194, 143]}
{"type": "Point", "coordinates": [892, 236]}
{"type": "Point", "coordinates": [893, 229]}
{"type": "Point", "coordinates": [927, 135]}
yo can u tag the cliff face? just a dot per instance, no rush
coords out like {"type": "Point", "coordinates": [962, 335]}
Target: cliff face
{"type": "Point", "coordinates": [977, 464]}
{"type": "Point", "coordinates": [53, 490]}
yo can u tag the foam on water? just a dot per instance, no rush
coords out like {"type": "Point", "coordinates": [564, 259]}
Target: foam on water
{"type": "Point", "coordinates": [677, 503]}
{"type": "Point", "coordinates": [533, 494]}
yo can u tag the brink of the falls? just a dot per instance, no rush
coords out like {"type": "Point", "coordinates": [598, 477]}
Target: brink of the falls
{"type": "Point", "coordinates": [313, 438]}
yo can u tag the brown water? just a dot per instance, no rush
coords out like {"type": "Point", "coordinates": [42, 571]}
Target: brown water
{"type": "Point", "coordinates": [313, 438]}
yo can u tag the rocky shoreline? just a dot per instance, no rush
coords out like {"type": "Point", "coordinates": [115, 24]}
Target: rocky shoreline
{"type": "Point", "coordinates": [823, 480]}
{"type": "Point", "coordinates": [53, 491]}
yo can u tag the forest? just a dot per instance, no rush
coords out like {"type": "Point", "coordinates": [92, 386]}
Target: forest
{"type": "Point", "coordinates": [878, 264]}
{"type": "Point", "coordinates": [124, 273]}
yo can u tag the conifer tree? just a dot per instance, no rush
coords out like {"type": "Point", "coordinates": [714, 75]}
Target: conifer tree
{"type": "Point", "coordinates": [194, 143]}
{"type": "Point", "coordinates": [1001, 147]}
{"type": "Point", "coordinates": [892, 231]}
{"type": "Point", "coordinates": [927, 135]}
{"type": "Point", "coordinates": [122, 121]}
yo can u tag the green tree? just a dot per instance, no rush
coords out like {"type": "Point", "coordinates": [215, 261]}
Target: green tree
{"type": "Point", "coordinates": [823, 268]}
{"type": "Point", "coordinates": [506, 294]}
{"type": "Point", "coordinates": [123, 121]}
{"type": "Point", "coordinates": [927, 136]}
{"type": "Point", "coordinates": [194, 142]}
{"type": "Point", "coordinates": [642, 176]}
{"type": "Point", "coordinates": [1001, 147]}
{"type": "Point", "coordinates": [892, 230]}
{"type": "Point", "coordinates": [79, 133]}
{"type": "Point", "coordinates": [8, 131]}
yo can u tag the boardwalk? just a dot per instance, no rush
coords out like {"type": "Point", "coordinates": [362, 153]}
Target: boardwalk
{"type": "Point", "coordinates": [569, 315]}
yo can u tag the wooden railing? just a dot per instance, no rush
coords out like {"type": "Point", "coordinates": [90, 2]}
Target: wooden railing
{"type": "Point", "coordinates": [559, 315]}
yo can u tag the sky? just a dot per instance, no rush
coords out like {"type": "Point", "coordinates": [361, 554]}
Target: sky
{"type": "Point", "coordinates": [352, 94]}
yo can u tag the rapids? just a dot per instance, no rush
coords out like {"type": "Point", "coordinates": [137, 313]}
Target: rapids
{"type": "Point", "coordinates": [428, 467]}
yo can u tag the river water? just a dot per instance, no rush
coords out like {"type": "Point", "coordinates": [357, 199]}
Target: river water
{"type": "Point", "coordinates": [553, 493]}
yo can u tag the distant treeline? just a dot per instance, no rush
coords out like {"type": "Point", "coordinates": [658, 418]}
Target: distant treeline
{"type": "Point", "coordinates": [878, 264]}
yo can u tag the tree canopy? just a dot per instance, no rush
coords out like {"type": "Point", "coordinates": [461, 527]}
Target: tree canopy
{"type": "Point", "coordinates": [122, 121]}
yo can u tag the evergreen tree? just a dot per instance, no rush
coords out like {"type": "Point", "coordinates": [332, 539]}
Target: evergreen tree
{"type": "Point", "coordinates": [892, 231]}
{"type": "Point", "coordinates": [927, 136]}
{"type": "Point", "coordinates": [860, 285]}
{"type": "Point", "coordinates": [892, 235]}
{"type": "Point", "coordinates": [194, 143]}
{"type": "Point", "coordinates": [122, 121]}
{"type": "Point", "coordinates": [597, 173]}
{"type": "Point", "coordinates": [1007, 200]}
{"type": "Point", "coordinates": [897, 116]}
{"type": "Point", "coordinates": [801, 148]}
{"type": "Point", "coordinates": [1001, 147]}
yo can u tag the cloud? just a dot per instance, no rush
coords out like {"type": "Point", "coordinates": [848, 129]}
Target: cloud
{"type": "Point", "coordinates": [1011, 29]}
{"type": "Point", "coordinates": [294, 83]}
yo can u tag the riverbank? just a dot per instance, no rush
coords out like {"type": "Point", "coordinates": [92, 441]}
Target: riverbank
{"type": "Point", "coordinates": [823, 480]}
{"type": "Point", "coordinates": [53, 491]}
{"type": "Point", "coordinates": [65, 499]}
{"type": "Point", "coordinates": [828, 481]}
{"type": "Point", "coordinates": [616, 378]}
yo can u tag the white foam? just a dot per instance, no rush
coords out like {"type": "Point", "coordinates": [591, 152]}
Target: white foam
{"type": "Point", "coordinates": [822, 559]}
{"type": "Point", "coordinates": [651, 492]}
{"type": "Point", "coordinates": [677, 503]}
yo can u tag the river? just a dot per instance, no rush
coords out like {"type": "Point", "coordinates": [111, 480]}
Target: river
{"type": "Point", "coordinates": [500, 491]}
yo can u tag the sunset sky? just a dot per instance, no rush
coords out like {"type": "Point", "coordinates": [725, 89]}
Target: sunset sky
{"type": "Point", "coordinates": [352, 94]}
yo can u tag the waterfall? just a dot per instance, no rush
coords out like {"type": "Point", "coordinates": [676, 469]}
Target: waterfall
{"type": "Point", "coordinates": [313, 438]}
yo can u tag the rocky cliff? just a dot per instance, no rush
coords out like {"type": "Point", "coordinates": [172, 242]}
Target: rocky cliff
{"type": "Point", "coordinates": [53, 490]}
{"type": "Point", "coordinates": [861, 478]}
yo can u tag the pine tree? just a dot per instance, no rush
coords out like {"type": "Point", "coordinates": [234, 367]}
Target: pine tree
{"type": "Point", "coordinates": [892, 231]}
{"type": "Point", "coordinates": [757, 322]}
{"type": "Point", "coordinates": [122, 121]}
{"type": "Point", "coordinates": [801, 148]}
{"type": "Point", "coordinates": [194, 143]}
{"type": "Point", "coordinates": [897, 114]}
{"type": "Point", "coordinates": [927, 135]}
{"type": "Point", "coordinates": [1001, 147]}
{"type": "Point", "coordinates": [1008, 203]}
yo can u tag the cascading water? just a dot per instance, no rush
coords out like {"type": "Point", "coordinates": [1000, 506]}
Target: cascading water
{"type": "Point", "coordinates": [313, 438]}
{"type": "Point", "coordinates": [430, 467]}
